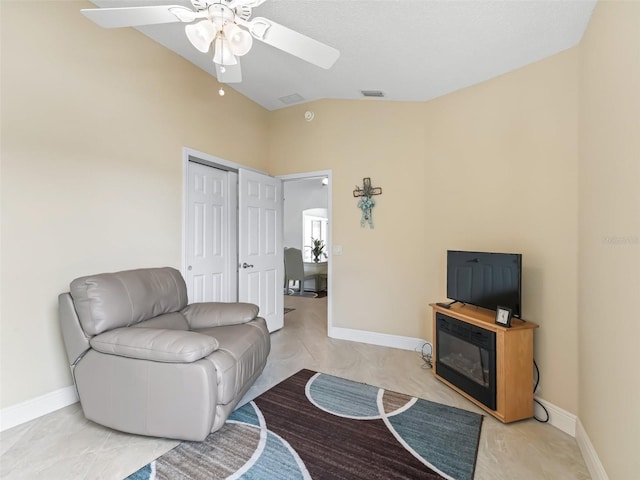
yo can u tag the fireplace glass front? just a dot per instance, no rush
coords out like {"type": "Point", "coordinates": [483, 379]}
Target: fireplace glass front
{"type": "Point", "coordinates": [466, 357]}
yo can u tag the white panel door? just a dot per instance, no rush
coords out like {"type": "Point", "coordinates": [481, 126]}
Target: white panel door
{"type": "Point", "coordinates": [261, 255]}
{"type": "Point", "coordinates": [211, 250]}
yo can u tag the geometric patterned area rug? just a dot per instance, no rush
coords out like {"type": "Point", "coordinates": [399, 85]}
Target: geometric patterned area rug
{"type": "Point", "coordinates": [317, 426]}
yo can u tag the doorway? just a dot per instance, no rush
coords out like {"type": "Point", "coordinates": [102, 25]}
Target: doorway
{"type": "Point", "coordinates": [310, 193]}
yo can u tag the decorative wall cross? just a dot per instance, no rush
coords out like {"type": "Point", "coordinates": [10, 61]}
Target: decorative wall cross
{"type": "Point", "coordinates": [366, 203]}
{"type": "Point", "coordinates": [367, 190]}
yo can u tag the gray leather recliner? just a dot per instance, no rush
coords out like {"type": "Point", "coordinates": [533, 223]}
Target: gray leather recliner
{"type": "Point", "coordinates": [145, 362]}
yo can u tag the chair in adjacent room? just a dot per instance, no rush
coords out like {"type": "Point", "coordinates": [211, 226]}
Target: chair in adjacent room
{"type": "Point", "coordinates": [294, 272]}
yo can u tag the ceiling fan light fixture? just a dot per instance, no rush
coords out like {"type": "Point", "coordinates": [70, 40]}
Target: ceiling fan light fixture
{"type": "Point", "coordinates": [240, 41]}
{"type": "Point", "coordinates": [222, 53]}
{"type": "Point", "coordinates": [201, 35]}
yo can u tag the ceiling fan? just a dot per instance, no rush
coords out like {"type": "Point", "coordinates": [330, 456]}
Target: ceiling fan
{"type": "Point", "coordinates": [218, 23]}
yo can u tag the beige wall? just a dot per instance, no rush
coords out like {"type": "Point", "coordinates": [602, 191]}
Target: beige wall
{"type": "Point", "coordinates": [93, 122]}
{"type": "Point", "coordinates": [502, 174]}
{"type": "Point", "coordinates": [491, 168]}
{"type": "Point", "coordinates": [375, 286]}
{"type": "Point", "coordinates": [93, 125]}
{"type": "Point", "coordinates": [609, 240]}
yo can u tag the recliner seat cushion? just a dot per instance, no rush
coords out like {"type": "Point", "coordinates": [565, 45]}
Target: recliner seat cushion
{"type": "Point", "coordinates": [113, 300]}
{"type": "Point", "coordinates": [170, 321]}
{"type": "Point", "coordinates": [156, 344]}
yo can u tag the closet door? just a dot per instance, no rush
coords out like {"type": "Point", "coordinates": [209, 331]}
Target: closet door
{"type": "Point", "coordinates": [260, 253]}
{"type": "Point", "coordinates": [211, 242]}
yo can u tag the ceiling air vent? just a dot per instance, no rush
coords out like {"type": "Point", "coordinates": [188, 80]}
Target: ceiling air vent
{"type": "Point", "coordinates": [293, 98]}
{"type": "Point", "coordinates": [372, 93]}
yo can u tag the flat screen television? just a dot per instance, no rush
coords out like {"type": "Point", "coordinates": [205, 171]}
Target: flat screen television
{"type": "Point", "coordinates": [485, 279]}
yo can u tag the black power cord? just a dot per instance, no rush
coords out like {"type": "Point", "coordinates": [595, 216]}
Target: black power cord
{"type": "Point", "coordinates": [426, 357]}
{"type": "Point", "coordinates": [428, 363]}
{"type": "Point", "coordinates": [535, 387]}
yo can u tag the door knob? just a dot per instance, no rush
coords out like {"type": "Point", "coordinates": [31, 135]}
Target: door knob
{"type": "Point", "coordinates": [189, 268]}
{"type": "Point", "coordinates": [246, 265]}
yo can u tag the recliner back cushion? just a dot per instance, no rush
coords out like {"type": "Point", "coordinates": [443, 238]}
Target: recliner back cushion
{"type": "Point", "coordinates": [113, 300]}
{"type": "Point", "coordinates": [168, 321]}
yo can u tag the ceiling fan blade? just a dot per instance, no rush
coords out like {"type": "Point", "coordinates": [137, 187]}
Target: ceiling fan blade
{"type": "Point", "coordinates": [292, 42]}
{"type": "Point", "coordinates": [136, 16]}
{"type": "Point", "coordinates": [248, 3]}
{"type": "Point", "coordinates": [231, 74]}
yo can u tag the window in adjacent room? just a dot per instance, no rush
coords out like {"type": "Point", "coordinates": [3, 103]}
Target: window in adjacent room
{"type": "Point", "coordinates": [313, 227]}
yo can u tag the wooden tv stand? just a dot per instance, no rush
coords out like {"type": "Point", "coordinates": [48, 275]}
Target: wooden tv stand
{"type": "Point", "coordinates": [514, 361]}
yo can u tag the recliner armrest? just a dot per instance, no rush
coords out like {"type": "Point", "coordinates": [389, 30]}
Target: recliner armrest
{"type": "Point", "coordinates": [156, 344]}
{"type": "Point", "coordinates": [217, 314]}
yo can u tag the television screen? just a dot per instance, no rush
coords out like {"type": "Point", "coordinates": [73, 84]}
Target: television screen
{"type": "Point", "coordinates": [485, 279]}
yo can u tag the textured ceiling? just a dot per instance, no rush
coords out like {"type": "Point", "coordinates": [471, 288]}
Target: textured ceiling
{"type": "Point", "coordinates": [411, 50]}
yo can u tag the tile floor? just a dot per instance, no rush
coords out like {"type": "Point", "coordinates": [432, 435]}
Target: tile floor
{"type": "Point", "coordinates": [63, 445]}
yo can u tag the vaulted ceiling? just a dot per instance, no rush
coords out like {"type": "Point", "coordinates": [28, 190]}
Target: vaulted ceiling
{"type": "Point", "coordinates": [411, 50]}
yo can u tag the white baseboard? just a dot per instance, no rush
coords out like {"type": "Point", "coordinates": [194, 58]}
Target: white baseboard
{"type": "Point", "coordinates": [596, 470]}
{"type": "Point", "coordinates": [37, 407]}
{"type": "Point", "coordinates": [380, 339]}
{"type": "Point", "coordinates": [570, 423]}
{"type": "Point", "coordinates": [559, 418]}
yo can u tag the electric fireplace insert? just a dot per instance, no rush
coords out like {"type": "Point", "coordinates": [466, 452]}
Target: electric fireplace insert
{"type": "Point", "coordinates": [466, 357]}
